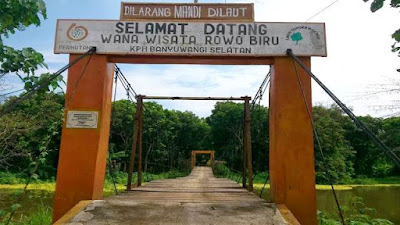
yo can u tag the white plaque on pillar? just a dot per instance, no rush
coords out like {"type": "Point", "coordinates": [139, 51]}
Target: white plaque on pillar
{"type": "Point", "coordinates": [82, 119]}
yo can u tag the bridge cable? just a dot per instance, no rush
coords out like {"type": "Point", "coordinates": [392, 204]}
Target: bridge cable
{"type": "Point", "coordinates": [110, 168]}
{"type": "Point", "coordinates": [123, 79]}
{"type": "Point", "coordinates": [44, 83]}
{"type": "Point", "coordinates": [318, 142]}
{"type": "Point", "coordinates": [322, 10]}
{"type": "Point", "coordinates": [71, 96]}
{"type": "Point", "coordinates": [261, 90]}
{"type": "Point", "coordinates": [130, 91]}
{"type": "Point", "coordinates": [353, 117]}
{"type": "Point", "coordinates": [254, 106]}
{"type": "Point", "coordinates": [12, 92]}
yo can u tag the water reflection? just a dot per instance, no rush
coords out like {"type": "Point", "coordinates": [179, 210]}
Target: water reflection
{"type": "Point", "coordinates": [385, 200]}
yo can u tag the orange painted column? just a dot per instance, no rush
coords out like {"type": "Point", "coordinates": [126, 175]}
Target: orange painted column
{"type": "Point", "coordinates": [291, 151]}
{"type": "Point", "coordinates": [83, 151]}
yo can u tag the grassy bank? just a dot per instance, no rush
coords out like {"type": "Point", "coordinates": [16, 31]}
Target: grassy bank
{"type": "Point", "coordinates": [36, 205]}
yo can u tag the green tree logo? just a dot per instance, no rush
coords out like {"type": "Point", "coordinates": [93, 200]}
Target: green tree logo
{"type": "Point", "coordinates": [296, 37]}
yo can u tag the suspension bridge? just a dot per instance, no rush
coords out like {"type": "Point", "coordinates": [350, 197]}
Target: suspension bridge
{"type": "Point", "coordinates": [199, 198]}
{"type": "Point", "coordinates": [96, 46]}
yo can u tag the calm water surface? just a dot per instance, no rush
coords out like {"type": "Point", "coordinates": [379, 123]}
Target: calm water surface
{"type": "Point", "coordinates": [385, 200]}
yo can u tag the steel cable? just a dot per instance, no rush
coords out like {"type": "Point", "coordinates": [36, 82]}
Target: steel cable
{"type": "Point", "coordinates": [353, 117]}
{"type": "Point", "coordinates": [44, 83]}
{"type": "Point", "coordinates": [318, 143]}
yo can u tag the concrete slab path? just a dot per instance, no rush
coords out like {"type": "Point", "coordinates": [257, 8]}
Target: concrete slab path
{"type": "Point", "coordinates": [199, 198]}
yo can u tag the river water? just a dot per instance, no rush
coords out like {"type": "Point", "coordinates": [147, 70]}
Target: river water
{"type": "Point", "coordinates": [385, 200]}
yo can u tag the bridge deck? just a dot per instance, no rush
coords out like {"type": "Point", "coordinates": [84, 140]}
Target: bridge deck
{"type": "Point", "coordinates": [199, 198]}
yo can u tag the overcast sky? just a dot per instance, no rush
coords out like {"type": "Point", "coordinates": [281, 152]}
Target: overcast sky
{"type": "Point", "coordinates": [359, 62]}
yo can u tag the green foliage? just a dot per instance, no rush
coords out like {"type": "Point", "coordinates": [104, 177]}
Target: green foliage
{"type": "Point", "coordinates": [25, 128]}
{"type": "Point", "coordinates": [368, 159]}
{"type": "Point", "coordinates": [261, 177]}
{"type": "Point", "coordinates": [169, 136]}
{"type": "Point", "coordinates": [260, 138]}
{"type": "Point", "coordinates": [221, 170]}
{"type": "Point", "coordinates": [226, 123]}
{"type": "Point", "coordinates": [41, 216]}
{"type": "Point", "coordinates": [336, 150]}
{"type": "Point", "coordinates": [325, 219]}
{"type": "Point", "coordinates": [17, 16]}
{"type": "Point", "coordinates": [396, 35]}
{"type": "Point", "coordinates": [12, 178]}
{"type": "Point", "coordinates": [391, 132]}
{"type": "Point", "coordinates": [384, 180]}
{"type": "Point", "coordinates": [376, 5]}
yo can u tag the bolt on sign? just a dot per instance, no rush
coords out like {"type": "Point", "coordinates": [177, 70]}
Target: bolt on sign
{"type": "Point", "coordinates": [188, 12]}
{"type": "Point", "coordinates": [190, 38]}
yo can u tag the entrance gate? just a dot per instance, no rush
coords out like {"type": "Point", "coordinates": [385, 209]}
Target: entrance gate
{"type": "Point", "coordinates": [85, 133]}
{"type": "Point", "coordinates": [195, 152]}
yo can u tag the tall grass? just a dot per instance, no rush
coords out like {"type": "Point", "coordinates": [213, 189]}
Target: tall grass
{"type": "Point", "coordinates": [12, 184]}
{"type": "Point", "coordinates": [42, 216]}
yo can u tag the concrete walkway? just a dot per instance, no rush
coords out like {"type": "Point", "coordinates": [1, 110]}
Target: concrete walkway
{"type": "Point", "coordinates": [199, 198]}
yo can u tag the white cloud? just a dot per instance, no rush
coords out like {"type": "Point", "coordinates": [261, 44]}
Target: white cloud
{"type": "Point", "coordinates": [52, 58]}
{"type": "Point", "coordinates": [193, 80]}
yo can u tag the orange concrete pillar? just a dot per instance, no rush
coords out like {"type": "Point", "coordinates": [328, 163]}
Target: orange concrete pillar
{"type": "Point", "coordinates": [291, 152]}
{"type": "Point", "coordinates": [83, 151]}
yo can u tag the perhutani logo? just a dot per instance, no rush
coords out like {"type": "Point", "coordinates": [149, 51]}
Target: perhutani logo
{"type": "Point", "coordinates": [77, 33]}
{"type": "Point", "coordinates": [296, 34]}
{"type": "Point", "coordinates": [296, 37]}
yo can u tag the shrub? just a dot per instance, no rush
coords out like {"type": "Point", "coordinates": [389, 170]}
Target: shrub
{"type": "Point", "coordinates": [221, 170]}
{"type": "Point", "coordinates": [12, 178]}
{"type": "Point", "coordinates": [354, 212]}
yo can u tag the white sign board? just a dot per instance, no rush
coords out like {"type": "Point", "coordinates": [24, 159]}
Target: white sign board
{"type": "Point", "coordinates": [82, 119]}
{"type": "Point", "coordinates": [190, 38]}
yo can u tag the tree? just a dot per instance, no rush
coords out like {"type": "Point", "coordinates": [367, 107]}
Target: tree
{"type": "Point", "coordinates": [378, 4]}
{"type": "Point", "coordinates": [121, 132]}
{"type": "Point", "coordinates": [226, 122]}
{"type": "Point", "coordinates": [168, 136]}
{"type": "Point", "coordinates": [368, 157]}
{"type": "Point", "coordinates": [17, 16]}
{"type": "Point", "coordinates": [23, 130]}
{"type": "Point", "coordinates": [337, 153]}
{"type": "Point", "coordinates": [260, 138]}
{"type": "Point", "coordinates": [391, 137]}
